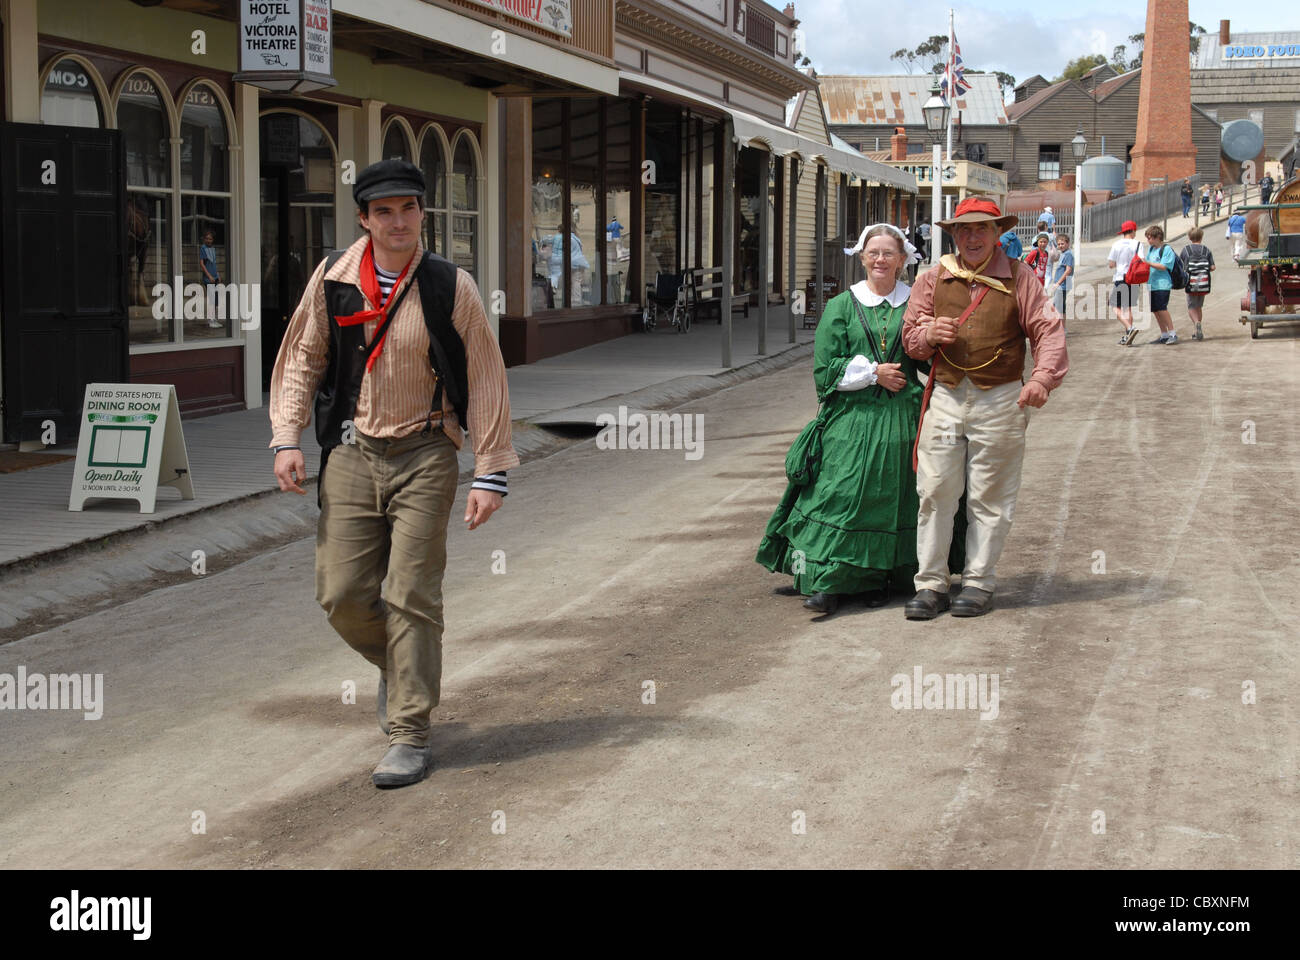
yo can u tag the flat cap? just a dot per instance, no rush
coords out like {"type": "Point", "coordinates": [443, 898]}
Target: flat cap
{"type": "Point", "coordinates": [388, 178]}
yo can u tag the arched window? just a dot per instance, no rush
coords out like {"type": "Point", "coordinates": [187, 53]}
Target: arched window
{"type": "Point", "coordinates": [69, 98]}
{"type": "Point", "coordinates": [304, 155]}
{"type": "Point", "coordinates": [465, 203]}
{"type": "Point", "coordinates": [433, 163]}
{"type": "Point", "coordinates": [205, 208]}
{"type": "Point", "coordinates": [396, 146]}
{"type": "Point", "coordinates": [146, 134]}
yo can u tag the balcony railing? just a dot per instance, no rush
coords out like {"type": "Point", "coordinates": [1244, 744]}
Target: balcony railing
{"type": "Point", "coordinates": [760, 32]}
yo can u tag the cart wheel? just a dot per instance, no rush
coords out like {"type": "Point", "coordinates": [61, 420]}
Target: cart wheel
{"type": "Point", "coordinates": [1254, 330]}
{"type": "Point", "coordinates": [686, 321]}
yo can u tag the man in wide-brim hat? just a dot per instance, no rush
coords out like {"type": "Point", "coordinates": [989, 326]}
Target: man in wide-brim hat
{"type": "Point", "coordinates": [970, 316]}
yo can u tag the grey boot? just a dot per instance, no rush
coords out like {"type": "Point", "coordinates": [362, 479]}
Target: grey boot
{"type": "Point", "coordinates": [381, 704]}
{"type": "Point", "coordinates": [403, 765]}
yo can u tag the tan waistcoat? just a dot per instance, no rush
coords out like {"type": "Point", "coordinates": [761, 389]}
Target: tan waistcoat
{"type": "Point", "coordinates": [993, 327]}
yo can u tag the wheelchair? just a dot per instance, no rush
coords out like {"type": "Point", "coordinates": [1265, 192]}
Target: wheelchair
{"type": "Point", "coordinates": [672, 297]}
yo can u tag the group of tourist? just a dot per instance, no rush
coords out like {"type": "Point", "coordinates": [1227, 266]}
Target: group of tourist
{"type": "Point", "coordinates": [876, 480]}
{"type": "Point", "coordinates": [1196, 261]}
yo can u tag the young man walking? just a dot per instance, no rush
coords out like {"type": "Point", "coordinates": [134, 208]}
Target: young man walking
{"type": "Point", "coordinates": [970, 317]}
{"type": "Point", "coordinates": [1122, 252]}
{"type": "Point", "coordinates": [392, 348]}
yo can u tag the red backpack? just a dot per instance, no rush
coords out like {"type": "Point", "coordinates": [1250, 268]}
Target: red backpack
{"type": "Point", "coordinates": [1139, 271]}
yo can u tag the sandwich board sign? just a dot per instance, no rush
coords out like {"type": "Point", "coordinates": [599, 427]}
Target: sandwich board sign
{"type": "Point", "coordinates": [130, 442]}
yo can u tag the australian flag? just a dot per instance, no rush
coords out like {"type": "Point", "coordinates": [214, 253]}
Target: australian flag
{"type": "Point", "coordinates": [954, 77]}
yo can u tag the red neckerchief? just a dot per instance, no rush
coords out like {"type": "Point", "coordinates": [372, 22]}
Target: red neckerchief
{"type": "Point", "coordinates": [370, 287]}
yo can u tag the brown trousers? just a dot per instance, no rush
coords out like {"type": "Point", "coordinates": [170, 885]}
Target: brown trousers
{"type": "Point", "coordinates": [383, 525]}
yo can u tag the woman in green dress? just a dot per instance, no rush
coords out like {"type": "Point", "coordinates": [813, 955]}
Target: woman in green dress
{"type": "Point", "coordinates": [851, 529]}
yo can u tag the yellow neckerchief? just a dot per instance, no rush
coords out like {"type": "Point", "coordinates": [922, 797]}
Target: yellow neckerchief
{"type": "Point", "coordinates": [950, 263]}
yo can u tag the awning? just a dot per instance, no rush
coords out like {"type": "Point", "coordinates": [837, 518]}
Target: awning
{"type": "Point", "coordinates": [455, 29]}
{"type": "Point", "coordinates": [782, 141]}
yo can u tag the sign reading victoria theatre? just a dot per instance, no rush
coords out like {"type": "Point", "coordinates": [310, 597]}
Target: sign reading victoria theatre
{"type": "Point", "coordinates": [286, 45]}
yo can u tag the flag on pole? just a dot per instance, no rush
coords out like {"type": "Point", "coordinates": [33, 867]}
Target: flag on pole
{"type": "Point", "coordinates": [954, 77]}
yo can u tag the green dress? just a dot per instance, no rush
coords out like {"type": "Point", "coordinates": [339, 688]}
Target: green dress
{"type": "Point", "coordinates": [853, 529]}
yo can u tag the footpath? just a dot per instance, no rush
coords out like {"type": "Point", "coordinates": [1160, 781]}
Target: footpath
{"type": "Point", "coordinates": [238, 509]}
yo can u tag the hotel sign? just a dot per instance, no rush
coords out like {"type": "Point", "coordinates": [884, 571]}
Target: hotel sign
{"type": "Point", "coordinates": [286, 45]}
{"type": "Point", "coordinates": [553, 15]}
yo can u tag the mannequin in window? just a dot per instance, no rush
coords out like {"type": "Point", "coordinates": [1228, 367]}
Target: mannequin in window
{"type": "Point", "coordinates": [578, 261]}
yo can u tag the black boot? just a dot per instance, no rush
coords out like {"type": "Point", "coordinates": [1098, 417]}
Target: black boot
{"type": "Point", "coordinates": [823, 602]}
{"type": "Point", "coordinates": [926, 605]}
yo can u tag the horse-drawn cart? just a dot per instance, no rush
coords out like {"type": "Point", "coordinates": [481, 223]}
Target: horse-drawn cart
{"type": "Point", "coordinates": [1273, 259]}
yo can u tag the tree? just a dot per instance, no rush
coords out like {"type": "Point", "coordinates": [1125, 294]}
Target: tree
{"type": "Point", "coordinates": [1194, 33]}
{"type": "Point", "coordinates": [931, 53]}
{"type": "Point", "coordinates": [1005, 80]}
{"type": "Point", "coordinates": [1077, 67]}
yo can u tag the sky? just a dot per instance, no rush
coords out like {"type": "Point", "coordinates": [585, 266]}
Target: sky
{"type": "Point", "coordinates": [851, 36]}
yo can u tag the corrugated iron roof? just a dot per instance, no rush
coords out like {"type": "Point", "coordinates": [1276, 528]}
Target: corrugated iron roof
{"type": "Point", "coordinates": [880, 99]}
{"type": "Point", "coordinates": [1209, 56]}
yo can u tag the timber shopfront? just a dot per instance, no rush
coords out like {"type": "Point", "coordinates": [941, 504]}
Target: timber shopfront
{"type": "Point", "coordinates": [185, 209]}
{"type": "Point", "coordinates": [691, 168]}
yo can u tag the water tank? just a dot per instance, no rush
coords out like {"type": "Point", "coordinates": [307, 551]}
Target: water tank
{"type": "Point", "coordinates": [1103, 173]}
{"type": "Point", "coordinates": [1242, 140]}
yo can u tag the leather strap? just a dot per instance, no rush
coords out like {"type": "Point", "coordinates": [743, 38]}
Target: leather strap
{"type": "Point", "coordinates": [929, 384]}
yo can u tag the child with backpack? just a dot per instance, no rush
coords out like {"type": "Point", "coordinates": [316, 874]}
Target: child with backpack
{"type": "Point", "coordinates": [1162, 261]}
{"type": "Point", "coordinates": [1198, 261]}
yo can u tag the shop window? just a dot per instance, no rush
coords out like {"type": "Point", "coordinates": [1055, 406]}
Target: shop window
{"type": "Point", "coordinates": [69, 98]}
{"type": "Point", "coordinates": [618, 200]}
{"type": "Point", "coordinates": [584, 212]}
{"type": "Point", "coordinates": [146, 138]}
{"type": "Point", "coordinates": [301, 147]}
{"type": "Point", "coordinates": [548, 205]}
{"type": "Point", "coordinates": [465, 204]}
{"type": "Point", "coordinates": [205, 212]}
{"type": "Point", "coordinates": [663, 201]}
{"type": "Point", "coordinates": [1049, 161]}
{"type": "Point", "coordinates": [396, 146]}
{"type": "Point", "coordinates": [433, 163]}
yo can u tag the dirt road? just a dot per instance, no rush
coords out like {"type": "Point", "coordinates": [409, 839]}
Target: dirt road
{"type": "Point", "coordinates": [1120, 736]}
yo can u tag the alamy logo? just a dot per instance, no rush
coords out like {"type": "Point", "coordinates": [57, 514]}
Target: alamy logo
{"type": "Point", "coordinates": [953, 691]}
{"type": "Point", "coordinates": [58, 691]}
{"type": "Point", "coordinates": [213, 302]}
{"type": "Point", "coordinates": [654, 431]}
{"type": "Point", "coordinates": [102, 913]}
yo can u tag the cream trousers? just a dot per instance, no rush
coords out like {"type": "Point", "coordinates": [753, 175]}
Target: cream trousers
{"type": "Point", "coordinates": [972, 440]}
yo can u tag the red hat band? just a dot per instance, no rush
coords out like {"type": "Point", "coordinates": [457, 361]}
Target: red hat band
{"type": "Point", "coordinates": [977, 205]}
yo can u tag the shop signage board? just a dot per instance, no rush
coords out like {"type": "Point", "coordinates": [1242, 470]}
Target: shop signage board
{"type": "Point", "coordinates": [553, 15]}
{"type": "Point", "coordinates": [287, 45]}
{"type": "Point", "coordinates": [130, 443]}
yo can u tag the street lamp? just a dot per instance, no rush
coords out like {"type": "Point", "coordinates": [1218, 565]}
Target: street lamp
{"type": "Point", "coordinates": [936, 119]}
{"type": "Point", "coordinates": [1079, 147]}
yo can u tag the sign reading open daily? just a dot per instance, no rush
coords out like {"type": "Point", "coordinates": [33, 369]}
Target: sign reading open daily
{"type": "Point", "coordinates": [129, 444]}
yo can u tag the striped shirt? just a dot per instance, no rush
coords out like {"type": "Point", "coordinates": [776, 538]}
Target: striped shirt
{"type": "Point", "coordinates": [386, 281]}
{"type": "Point", "coordinates": [395, 393]}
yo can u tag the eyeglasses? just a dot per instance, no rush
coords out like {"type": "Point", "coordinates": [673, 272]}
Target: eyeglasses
{"type": "Point", "coordinates": [880, 255]}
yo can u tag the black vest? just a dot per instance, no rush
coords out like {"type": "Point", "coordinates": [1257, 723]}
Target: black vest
{"type": "Point", "coordinates": [336, 397]}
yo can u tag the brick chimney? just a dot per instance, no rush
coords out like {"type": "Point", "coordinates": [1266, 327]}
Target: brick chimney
{"type": "Point", "coordinates": [1163, 146]}
{"type": "Point", "coordinates": [898, 144]}
{"type": "Point", "coordinates": [1225, 34]}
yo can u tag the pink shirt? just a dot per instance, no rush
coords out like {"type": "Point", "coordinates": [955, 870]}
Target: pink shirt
{"type": "Point", "coordinates": [1038, 319]}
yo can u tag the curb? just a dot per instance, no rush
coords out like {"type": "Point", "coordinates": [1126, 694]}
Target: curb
{"type": "Point", "coordinates": [156, 552]}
